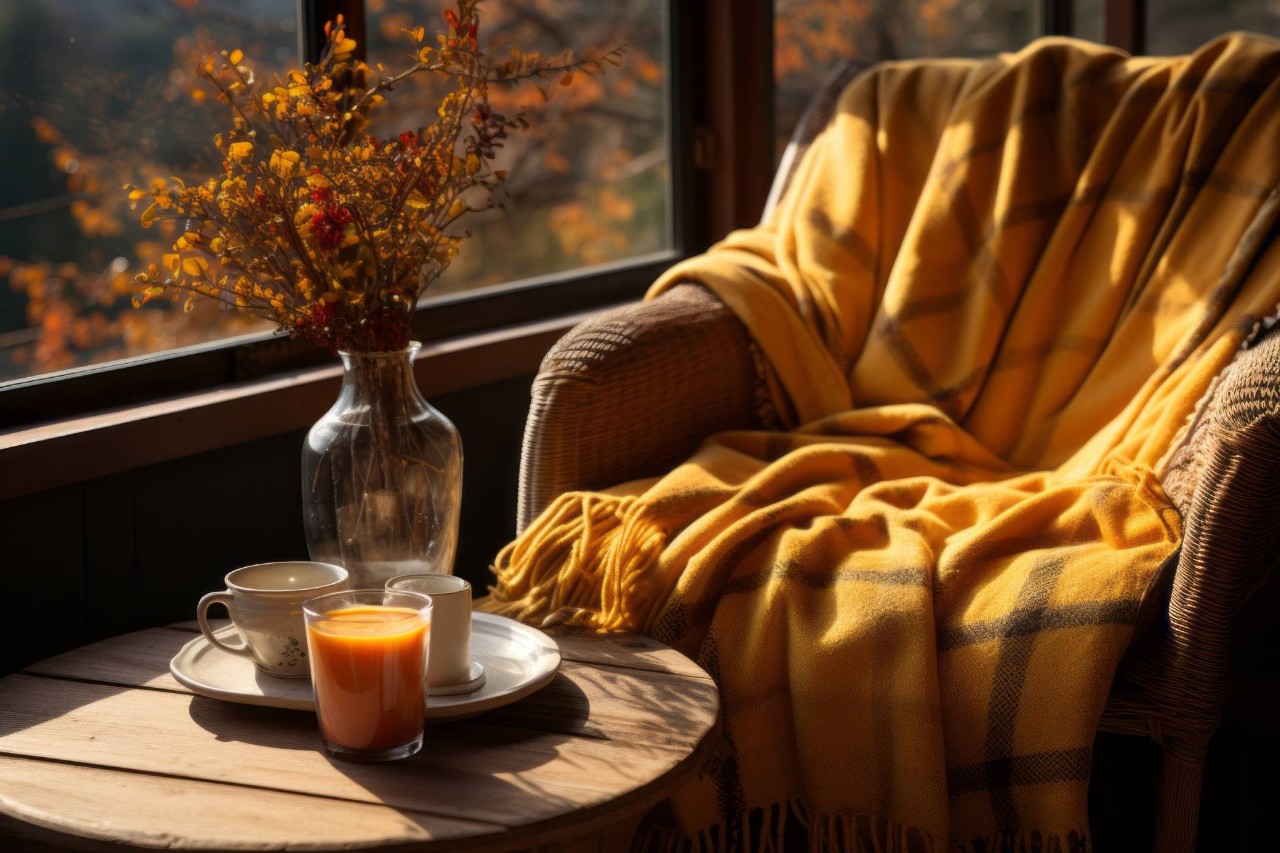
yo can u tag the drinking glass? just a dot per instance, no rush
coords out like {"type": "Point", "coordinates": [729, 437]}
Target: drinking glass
{"type": "Point", "coordinates": [369, 652]}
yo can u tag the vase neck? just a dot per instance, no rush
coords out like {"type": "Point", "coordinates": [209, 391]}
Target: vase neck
{"type": "Point", "coordinates": [382, 380]}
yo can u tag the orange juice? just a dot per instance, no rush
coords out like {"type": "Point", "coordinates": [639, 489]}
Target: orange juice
{"type": "Point", "coordinates": [368, 666]}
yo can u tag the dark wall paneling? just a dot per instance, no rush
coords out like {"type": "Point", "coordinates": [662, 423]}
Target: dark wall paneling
{"type": "Point", "coordinates": [139, 548]}
{"type": "Point", "coordinates": [200, 517]}
{"type": "Point", "coordinates": [41, 576]}
{"type": "Point", "coordinates": [491, 421]}
{"type": "Point", "coordinates": [109, 545]}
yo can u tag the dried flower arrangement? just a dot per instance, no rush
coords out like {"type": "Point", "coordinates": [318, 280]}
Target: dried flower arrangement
{"type": "Point", "coordinates": [319, 226]}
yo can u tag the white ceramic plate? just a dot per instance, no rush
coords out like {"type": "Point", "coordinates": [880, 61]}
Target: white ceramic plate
{"type": "Point", "coordinates": [517, 661]}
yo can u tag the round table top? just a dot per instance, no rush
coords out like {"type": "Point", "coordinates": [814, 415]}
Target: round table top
{"type": "Point", "coordinates": [102, 745]}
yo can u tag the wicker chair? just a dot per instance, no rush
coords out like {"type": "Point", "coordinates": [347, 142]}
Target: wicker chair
{"type": "Point", "coordinates": [633, 392]}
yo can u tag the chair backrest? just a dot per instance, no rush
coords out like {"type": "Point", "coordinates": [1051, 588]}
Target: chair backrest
{"type": "Point", "coordinates": [815, 117]}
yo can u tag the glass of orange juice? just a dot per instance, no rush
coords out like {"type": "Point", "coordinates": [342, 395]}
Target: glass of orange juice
{"type": "Point", "coordinates": [368, 668]}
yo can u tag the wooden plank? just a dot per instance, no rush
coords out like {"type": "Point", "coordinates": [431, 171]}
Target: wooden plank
{"type": "Point", "coordinates": [475, 771]}
{"type": "Point", "coordinates": [191, 626]}
{"type": "Point", "coordinates": [587, 701]}
{"type": "Point", "coordinates": [632, 651]}
{"type": "Point", "coordinates": [140, 659]}
{"type": "Point", "coordinates": [164, 812]}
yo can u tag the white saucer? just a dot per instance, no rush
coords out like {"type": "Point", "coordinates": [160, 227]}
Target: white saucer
{"type": "Point", "coordinates": [514, 660]}
{"type": "Point", "coordinates": [475, 680]}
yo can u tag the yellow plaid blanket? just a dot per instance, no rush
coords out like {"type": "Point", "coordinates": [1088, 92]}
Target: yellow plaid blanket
{"type": "Point", "coordinates": [990, 300]}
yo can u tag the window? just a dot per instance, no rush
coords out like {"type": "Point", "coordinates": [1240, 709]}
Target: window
{"type": "Point", "coordinates": [1177, 26]}
{"type": "Point", "coordinates": [110, 97]}
{"type": "Point", "coordinates": [94, 95]}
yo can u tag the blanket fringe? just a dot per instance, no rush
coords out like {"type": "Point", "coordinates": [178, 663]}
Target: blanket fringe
{"type": "Point", "coordinates": [588, 560]}
{"type": "Point", "coordinates": [789, 827]}
{"type": "Point", "coordinates": [1023, 841]}
{"type": "Point", "coordinates": [865, 834]}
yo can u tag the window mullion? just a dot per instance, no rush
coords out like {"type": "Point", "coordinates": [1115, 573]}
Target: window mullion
{"type": "Point", "coordinates": [1056, 17]}
{"type": "Point", "coordinates": [1126, 24]}
{"type": "Point", "coordinates": [314, 14]}
{"type": "Point", "coordinates": [737, 118]}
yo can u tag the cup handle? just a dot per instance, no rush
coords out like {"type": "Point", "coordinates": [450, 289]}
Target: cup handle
{"type": "Point", "coordinates": [202, 616]}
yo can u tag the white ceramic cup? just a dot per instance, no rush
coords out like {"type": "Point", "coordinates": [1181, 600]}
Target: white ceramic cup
{"type": "Point", "coordinates": [265, 604]}
{"type": "Point", "coordinates": [450, 660]}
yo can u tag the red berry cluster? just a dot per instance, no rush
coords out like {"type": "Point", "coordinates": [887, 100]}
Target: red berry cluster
{"type": "Point", "coordinates": [316, 324]}
{"type": "Point", "coordinates": [331, 221]}
{"type": "Point", "coordinates": [384, 330]}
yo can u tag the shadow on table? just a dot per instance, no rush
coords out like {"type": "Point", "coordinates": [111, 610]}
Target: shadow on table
{"type": "Point", "coordinates": [476, 769]}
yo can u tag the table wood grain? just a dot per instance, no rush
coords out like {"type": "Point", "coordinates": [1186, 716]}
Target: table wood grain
{"type": "Point", "coordinates": [101, 747]}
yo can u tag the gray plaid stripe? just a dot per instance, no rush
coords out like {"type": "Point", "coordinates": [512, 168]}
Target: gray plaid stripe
{"type": "Point", "coordinates": [1140, 196]}
{"type": "Point", "coordinates": [930, 305]}
{"type": "Point", "coordinates": [1010, 672]}
{"type": "Point", "coordinates": [1063, 765]}
{"type": "Point", "coordinates": [1121, 611]}
{"type": "Point", "coordinates": [1235, 185]}
{"type": "Point", "coordinates": [976, 239]}
{"type": "Point", "coordinates": [825, 579]}
{"type": "Point", "coordinates": [1046, 106]}
{"type": "Point", "coordinates": [850, 240]}
{"type": "Point", "coordinates": [698, 616]}
{"type": "Point", "coordinates": [866, 469]}
{"type": "Point", "coordinates": [889, 330]}
{"type": "Point", "coordinates": [887, 639]}
{"type": "Point", "coordinates": [672, 625]}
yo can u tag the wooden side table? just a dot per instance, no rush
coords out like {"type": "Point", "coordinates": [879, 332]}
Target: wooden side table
{"type": "Point", "coordinates": [100, 747]}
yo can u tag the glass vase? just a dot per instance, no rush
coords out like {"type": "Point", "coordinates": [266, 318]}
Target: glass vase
{"type": "Point", "coordinates": [382, 475]}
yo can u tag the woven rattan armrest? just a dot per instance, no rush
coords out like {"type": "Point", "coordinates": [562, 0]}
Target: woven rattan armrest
{"type": "Point", "coordinates": [633, 392]}
{"type": "Point", "coordinates": [1172, 682]}
{"type": "Point", "coordinates": [1224, 480]}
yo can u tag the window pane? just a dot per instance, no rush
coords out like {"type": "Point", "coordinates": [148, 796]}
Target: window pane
{"type": "Point", "coordinates": [1180, 26]}
{"type": "Point", "coordinates": [94, 95]}
{"type": "Point", "coordinates": [589, 179]}
{"type": "Point", "coordinates": [1087, 21]}
{"type": "Point", "coordinates": [813, 36]}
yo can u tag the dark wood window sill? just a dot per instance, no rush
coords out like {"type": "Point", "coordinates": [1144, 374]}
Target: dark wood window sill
{"type": "Point", "coordinates": [80, 448]}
